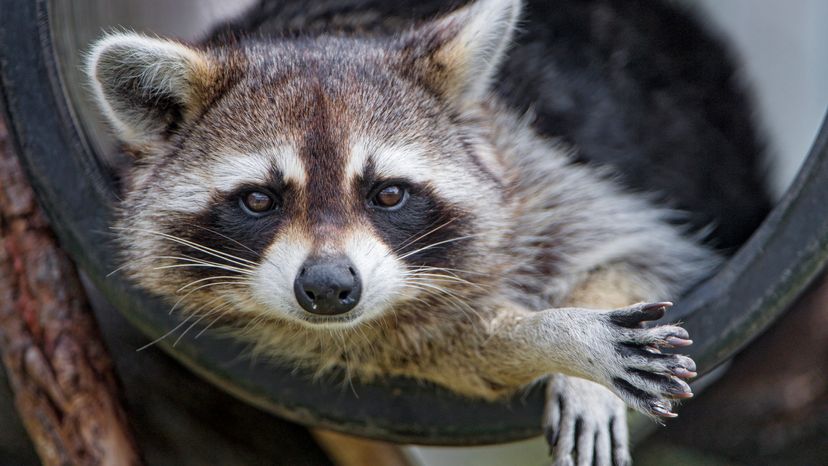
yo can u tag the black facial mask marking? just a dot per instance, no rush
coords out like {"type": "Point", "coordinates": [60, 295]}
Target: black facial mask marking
{"type": "Point", "coordinates": [422, 230]}
{"type": "Point", "coordinates": [225, 226]}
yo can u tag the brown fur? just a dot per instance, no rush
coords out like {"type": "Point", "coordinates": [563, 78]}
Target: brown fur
{"type": "Point", "coordinates": [467, 287]}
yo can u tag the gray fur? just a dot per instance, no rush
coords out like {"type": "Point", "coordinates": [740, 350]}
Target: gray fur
{"type": "Point", "coordinates": [600, 418]}
{"type": "Point", "coordinates": [537, 239]}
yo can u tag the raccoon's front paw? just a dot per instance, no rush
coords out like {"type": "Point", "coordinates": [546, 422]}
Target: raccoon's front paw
{"type": "Point", "coordinates": [643, 376]}
{"type": "Point", "coordinates": [585, 423]}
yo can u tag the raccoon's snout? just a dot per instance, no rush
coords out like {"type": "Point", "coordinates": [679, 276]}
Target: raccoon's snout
{"type": "Point", "coordinates": [328, 286]}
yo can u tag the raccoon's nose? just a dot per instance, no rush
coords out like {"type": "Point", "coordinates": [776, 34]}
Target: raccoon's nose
{"type": "Point", "coordinates": [327, 286]}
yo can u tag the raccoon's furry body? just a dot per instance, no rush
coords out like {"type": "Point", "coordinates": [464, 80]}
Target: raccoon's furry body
{"type": "Point", "coordinates": [343, 185]}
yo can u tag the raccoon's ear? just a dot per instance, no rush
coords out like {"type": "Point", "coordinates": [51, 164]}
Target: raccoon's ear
{"type": "Point", "coordinates": [147, 87]}
{"type": "Point", "coordinates": [458, 54]}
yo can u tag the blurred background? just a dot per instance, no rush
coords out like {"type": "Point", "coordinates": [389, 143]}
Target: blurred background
{"type": "Point", "coordinates": [770, 407]}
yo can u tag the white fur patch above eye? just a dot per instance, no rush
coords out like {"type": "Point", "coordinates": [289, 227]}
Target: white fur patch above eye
{"type": "Point", "coordinates": [233, 170]}
{"type": "Point", "coordinates": [409, 162]}
{"type": "Point", "coordinates": [404, 162]}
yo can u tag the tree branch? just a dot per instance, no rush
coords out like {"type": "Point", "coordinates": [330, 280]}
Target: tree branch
{"type": "Point", "coordinates": [57, 365]}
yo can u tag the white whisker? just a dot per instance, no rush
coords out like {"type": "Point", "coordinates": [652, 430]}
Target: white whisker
{"type": "Point", "coordinates": [424, 248]}
{"type": "Point", "coordinates": [211, 312]}
{"type": "Point", "coordinates": [210, 251]}
{"type": "Point", "coordinates": [412, 241]}
{"type": "Point", "coordinates": [173, 330]}
{"type": "Point", "coordinates": [202, 264]}
{"type": "Point", "coordinates": [442, 277]}
{"type": "Point", "coordinates": [205, 286]}
{"type": "Point", "coordinates": [218, 277]}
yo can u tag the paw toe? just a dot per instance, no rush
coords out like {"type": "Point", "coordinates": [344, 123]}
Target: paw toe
{"type": "Point", "coordinates": [619, 439]}
{"type": "Point", "coordinates": [678, 388]}
{"type": "Point", "coordinates": [658, 337]}
{"type": "Point", "coordinates": [585, 423]}
{"type": "Point", "coordinates": [678, 366]}
{"type": "Point", "coordinates": [552, 421]}
{"type": "Point", "coordinates": [634, 316]}
{"type": "Point", "coordinates": [661, 408]}
{"type": "Point", "coordinates": [652, 394]}
{"type": "Point", "coordinates": [621, 457]}
{"type": "Point", "coordinates": [564, 460]}
{"type": "Point", "coordinates": [551, 435]}
{"type": "Point", "coordinates": [603, 447]}
{"type": "Point", "coordinates": [585, 447]}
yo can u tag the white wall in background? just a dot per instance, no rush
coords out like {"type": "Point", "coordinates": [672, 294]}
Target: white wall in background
{"type": "Point", "coordinates": [783, 46]}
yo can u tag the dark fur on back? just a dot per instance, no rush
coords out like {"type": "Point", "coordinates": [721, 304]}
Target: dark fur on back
{"type": "Point", "coordinates": [636, 84]}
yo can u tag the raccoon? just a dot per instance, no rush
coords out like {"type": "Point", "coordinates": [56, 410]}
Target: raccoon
{"type": "Point", "coordinates": [378, 187]}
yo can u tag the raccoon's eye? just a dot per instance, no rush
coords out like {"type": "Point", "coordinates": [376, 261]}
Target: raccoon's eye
{"type": "Point", "coordinates": [390, 196]}
{"type": "Point", "coordinates": [257, 203]}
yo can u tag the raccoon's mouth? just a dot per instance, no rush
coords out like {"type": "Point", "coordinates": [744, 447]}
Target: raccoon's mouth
{"type": "Point", "coordinates": [326, 321]}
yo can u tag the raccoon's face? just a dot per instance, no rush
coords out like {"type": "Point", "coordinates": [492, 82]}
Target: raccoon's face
{"type": "Point", "coordinates": [324, 180]}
